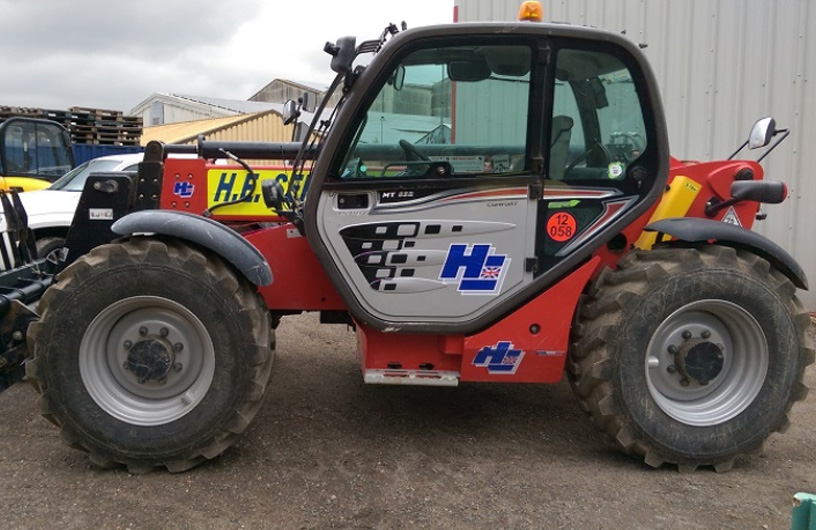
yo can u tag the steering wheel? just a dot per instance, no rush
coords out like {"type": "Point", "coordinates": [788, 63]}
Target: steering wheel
{"type": "Point", "coordinates": [601, 159]}
{"type": "Point", "coordinates": [412, 154]}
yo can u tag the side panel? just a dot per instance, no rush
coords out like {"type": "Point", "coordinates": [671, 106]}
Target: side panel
{"type": "Point", "coordinates": [300, 281]}
{"type": "Point", "coordinates": [530, 345]}
{"type": "Point", "coordinates": [527, 346]}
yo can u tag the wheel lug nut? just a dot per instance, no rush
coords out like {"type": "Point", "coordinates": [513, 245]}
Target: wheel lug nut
{"type": "Point", "coordinates": [177, 367]}
{"type": "Point", "coordinates": [684, 382]}
{"type": "Point", "coordinates": [128, 344]}
{"type": "Point", "coordinates": [164, 332]}
{"type": "Point", "coordinates": [687, 334]}
{"type": "Point", "coordinates": [671, 369]}
{"type": "Point", "coordinates": [142, 331]}
{"type": "Point", "coordinates": [178, 346]}
{"type": "Point", "coordinates": [672, 349]}
{"type": "Point", "coordinates": [162, 381]}
{"type": "Point", "coordinates": [705, 334]}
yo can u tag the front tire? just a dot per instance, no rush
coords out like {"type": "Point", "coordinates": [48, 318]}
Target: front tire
{"type": "Point", "coordinates": [151, 353]}
{"type": "Point", "coordinates": [691, 356]}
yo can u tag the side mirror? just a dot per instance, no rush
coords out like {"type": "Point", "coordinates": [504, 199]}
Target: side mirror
{"type": "Point", "coordinates": [290, 112]}
{"type": "Point", "coordinates": [761, 133]}
{"type": "Point", "coordinates": [397, 80]}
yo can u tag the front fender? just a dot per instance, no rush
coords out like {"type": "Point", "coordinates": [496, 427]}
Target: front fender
{"type": "Point", "coordinates": [694, 230]}
{"type": "Point", "coordinates": [210, 234]}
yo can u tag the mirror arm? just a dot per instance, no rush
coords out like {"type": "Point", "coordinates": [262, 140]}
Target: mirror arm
{"type": "Point", "coordinates": [785, 133]}
{"type": "Point", "coordinates": [738, 150]}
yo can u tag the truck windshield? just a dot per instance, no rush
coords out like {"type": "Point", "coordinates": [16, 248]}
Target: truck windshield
{"type": "Point", "coordinates": [466, 106]}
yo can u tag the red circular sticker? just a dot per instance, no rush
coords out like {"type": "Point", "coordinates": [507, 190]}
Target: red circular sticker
{"type": "Point", "coordinates": [561, 227]}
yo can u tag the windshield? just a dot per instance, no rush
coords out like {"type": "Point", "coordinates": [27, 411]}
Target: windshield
{"type": "Point", "coordinates": [75, 179]}
{"type": "Point", "coordinates": [464, 106]}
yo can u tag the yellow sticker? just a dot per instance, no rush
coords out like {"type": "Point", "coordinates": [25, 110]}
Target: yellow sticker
{"type": "Point", "coordinates": [227, 185]}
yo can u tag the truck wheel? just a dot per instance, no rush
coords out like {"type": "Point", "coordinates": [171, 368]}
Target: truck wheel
{"type": "Point", "coordinates": [151, 353]}
{"type": "Point", "coordinates": [691, 356]}
{"type": "Point", "coordinates": [46, 245]}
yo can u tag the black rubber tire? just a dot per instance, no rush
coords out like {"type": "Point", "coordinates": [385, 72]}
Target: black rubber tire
{"type": "Point", "coordinates": [232, 313]}
{"type": "Point", "coordinates": [623, 310]}
{"type": "Point", "coordinates": [46, 245]}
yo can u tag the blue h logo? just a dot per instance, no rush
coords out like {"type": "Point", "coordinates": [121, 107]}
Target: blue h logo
{"type": "Point", "coordinates": [476, 268]}
{"type": "Point", "coordinates": [183, 189]}
{"type": "Point", "coordinates": [499, 359]}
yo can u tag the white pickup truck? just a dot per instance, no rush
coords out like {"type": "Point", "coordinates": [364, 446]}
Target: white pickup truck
{"type": "Point", "coordinates": [51, 210]}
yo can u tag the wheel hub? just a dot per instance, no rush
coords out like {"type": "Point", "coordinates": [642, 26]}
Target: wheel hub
{"type": "Point", "coordinates": [150, 359]}
{"type": "Point", "coordinates": [699, 360]}
{"type": "Point", "coordinates": [706, 362]}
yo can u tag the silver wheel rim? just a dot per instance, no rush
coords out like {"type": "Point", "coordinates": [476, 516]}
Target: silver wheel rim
{"type": "Point", "coordinates": [123, 328]}
{"type": "Point", "coordinates": [744, 350]}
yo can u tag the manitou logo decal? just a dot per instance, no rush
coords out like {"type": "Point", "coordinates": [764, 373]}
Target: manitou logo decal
{"type": "Point", "coordinates": [476, 267]}
{"type": "Point", "coordinates": [499, 359]}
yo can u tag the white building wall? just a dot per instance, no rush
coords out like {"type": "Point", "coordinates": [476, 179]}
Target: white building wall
{"type": "Point", "coordinates": [721, 65]}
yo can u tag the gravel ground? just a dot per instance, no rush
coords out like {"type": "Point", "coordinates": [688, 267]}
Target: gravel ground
{"type": "Point", "coordinates": [327, 451]}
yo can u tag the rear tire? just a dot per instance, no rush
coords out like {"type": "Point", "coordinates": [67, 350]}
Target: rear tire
{"type": "Point", "coordinates": [691, 356]}
{"type": "Point", "coordinates": [151, 353]}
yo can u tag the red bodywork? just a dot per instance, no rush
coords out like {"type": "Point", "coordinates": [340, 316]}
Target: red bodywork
{"type": "Point", "coordinates": [529, 345]}
{"type": "Point", "coordinates": [716, 178]}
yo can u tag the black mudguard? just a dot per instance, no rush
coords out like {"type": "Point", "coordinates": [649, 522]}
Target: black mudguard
{"type": "Point", "coordinates": [210, 234]}
{"type": "Point", "coordinates": [695, 230]}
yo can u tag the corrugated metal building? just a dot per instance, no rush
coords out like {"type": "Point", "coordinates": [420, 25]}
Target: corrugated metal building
{"type": "Point", "coordinates": [259, 127]}
{"type": "Point", "coordinates": [721, 65]}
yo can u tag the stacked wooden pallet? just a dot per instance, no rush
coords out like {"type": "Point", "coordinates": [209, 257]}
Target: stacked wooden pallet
{"type": "Point", "coordinates": [86, 125]}
{"type": "Point", "coordinates": [98, 126]}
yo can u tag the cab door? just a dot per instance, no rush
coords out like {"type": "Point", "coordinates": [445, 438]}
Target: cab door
{"type": "Point", "coordinates": [431, 215]}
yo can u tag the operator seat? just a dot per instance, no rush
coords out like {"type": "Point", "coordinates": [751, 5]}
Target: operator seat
{"type": "Point", "coordinates": [559, 146]}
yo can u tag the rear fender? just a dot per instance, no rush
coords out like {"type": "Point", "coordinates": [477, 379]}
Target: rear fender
{"type": "Point", "coordinates": [210, 234]}
{"type": "Point", "coordinates": [702, 230]}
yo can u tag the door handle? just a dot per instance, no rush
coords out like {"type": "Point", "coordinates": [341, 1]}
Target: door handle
{"type": "Point", "coordinates": [352, 201]}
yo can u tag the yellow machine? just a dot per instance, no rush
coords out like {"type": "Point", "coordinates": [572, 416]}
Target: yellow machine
{"type": "Point", "coordinates": [33, 153]}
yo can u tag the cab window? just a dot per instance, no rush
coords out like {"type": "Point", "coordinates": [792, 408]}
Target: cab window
{"type": "Point", "coordinates": [36, 149]}
{"type": "Point", "coordinates": [462, 107]}
{"type": "Point", "coordinates": [598, 128]}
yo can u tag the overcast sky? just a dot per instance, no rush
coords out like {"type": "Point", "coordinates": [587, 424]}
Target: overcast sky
{"type": "Point", "coordinates": [113, 54]}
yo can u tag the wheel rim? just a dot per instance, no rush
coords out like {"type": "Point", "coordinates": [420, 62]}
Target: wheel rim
{"type": "Point", "coordinates": [147, 360]}
{"type": "Point", "coordinates": [734, 353]}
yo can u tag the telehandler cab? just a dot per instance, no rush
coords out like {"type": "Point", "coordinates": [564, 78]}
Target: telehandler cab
{"type": "Point", "coordinates": [487, 202]}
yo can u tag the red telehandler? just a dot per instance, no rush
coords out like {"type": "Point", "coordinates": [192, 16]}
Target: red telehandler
{"type": "Point", "coordinates": [487, 202]}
